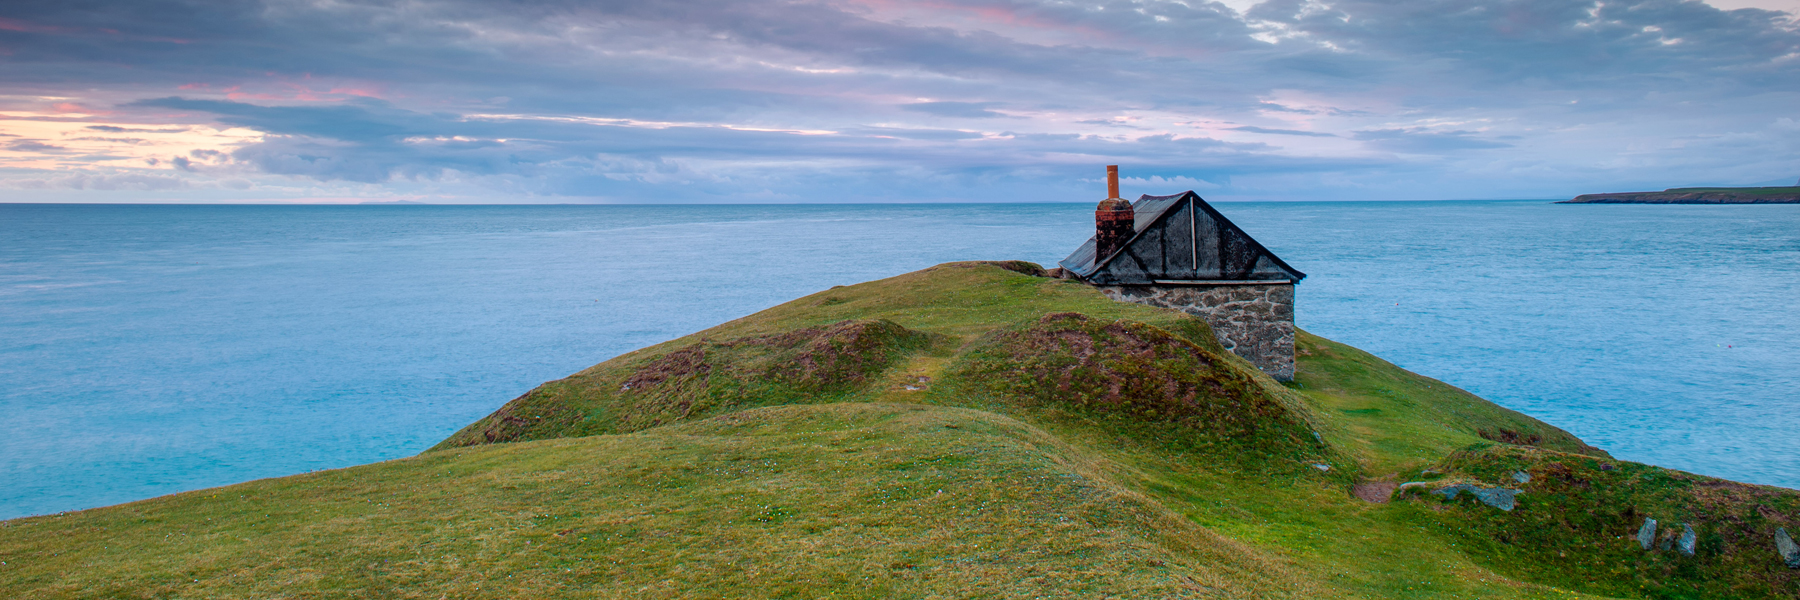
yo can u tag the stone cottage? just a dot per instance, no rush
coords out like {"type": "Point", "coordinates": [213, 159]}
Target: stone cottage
{"type": "Point", "coordinates": [1178, 252]}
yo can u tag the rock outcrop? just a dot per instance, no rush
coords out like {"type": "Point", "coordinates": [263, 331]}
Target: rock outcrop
{"type": "Point", "coordinates": [1764, 195]}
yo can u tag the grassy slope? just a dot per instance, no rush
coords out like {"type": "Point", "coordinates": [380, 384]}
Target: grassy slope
{"type": "Point", "coordinates": [851, 499]}
{"type": "Point", "coordinates": [1398, 422]}
{"type": "Point", "coordinates": [672, 471]}
{"type": "Point", "coordinates": [1746, 191]}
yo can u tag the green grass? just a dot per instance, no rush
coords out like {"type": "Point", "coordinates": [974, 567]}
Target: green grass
{"type": "Point", "coordinates": [971, 430]}
{"type": "Point", "coordinates": [1746, 191]}
{"type": "Point", "coordinates": [1398, 422]}
{"type": "Point", "coordinates": [854, 500]}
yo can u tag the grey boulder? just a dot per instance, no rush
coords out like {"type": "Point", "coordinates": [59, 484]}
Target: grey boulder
{"type": "Point", "coordinates": [1501, 498]}
{"type": "Point", "coordinates": [1647, 534]}
{"type": "Point", "coordinates": [1790, 552]}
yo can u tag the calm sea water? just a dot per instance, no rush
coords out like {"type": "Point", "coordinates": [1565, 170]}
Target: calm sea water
{"type": "Point", "coordinates": [151, 349]}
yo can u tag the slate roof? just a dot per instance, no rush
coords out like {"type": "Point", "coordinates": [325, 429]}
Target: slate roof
{"type": "Point", "coordinates": [1180, 238]}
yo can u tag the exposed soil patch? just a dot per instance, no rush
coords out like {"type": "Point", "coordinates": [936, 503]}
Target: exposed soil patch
{"type": "Point", "coordinates": [1375, 491]}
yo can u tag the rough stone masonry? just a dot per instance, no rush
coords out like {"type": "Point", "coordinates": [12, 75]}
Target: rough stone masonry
{"type": "Point", "coordinates": [1252, 321]}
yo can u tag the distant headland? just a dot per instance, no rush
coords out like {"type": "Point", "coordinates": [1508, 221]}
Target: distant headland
{"type": "Point", "coordinates": [1698, 195]}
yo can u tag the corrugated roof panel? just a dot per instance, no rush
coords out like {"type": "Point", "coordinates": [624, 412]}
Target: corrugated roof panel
{"type": "Point", "coordinates": [1081, 262]}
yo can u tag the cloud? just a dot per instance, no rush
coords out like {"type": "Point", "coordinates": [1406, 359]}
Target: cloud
{"type": "Point", "coordinates": [106, 183]}
{"type": "Point", "coordinates": [363, 120]}
{"type": "Point", "coordinates": [916, 133]}
{"type": "Point", "coordinates": [702, 99]}
{"type": "Point", "coordinates": [1417, 141]}
{"type": "Point", "coordinates": [35, 146]}
{"type": "Point", "coordinates": [117, 129]}
{"type": "Point", "coordinates": [1253, 129]}
{"type": "Point", "coordinates": [964, 110]}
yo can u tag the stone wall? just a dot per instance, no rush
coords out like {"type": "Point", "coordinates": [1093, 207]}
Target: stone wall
{"type": "Point", "coordinates": [1252, 321]}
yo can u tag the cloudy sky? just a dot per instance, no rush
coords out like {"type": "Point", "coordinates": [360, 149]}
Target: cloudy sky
{"type": "Point", "coordinates": [890, 100]}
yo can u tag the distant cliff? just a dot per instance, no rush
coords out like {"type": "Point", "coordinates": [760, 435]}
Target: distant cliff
{"type": "Point", "coordinates": [1747, 195]}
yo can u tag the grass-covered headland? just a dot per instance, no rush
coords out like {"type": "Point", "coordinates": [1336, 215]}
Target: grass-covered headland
{"type": "Point", "coordinates": [970, 430]}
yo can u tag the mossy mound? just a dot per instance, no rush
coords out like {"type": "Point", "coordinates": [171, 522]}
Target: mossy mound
{"type": "Point", "coordinates": [1577, 519]}
{"type": "Point", "coordinates": [1130, 371]}
{"type": "Point", "coordinates": [701, 379]}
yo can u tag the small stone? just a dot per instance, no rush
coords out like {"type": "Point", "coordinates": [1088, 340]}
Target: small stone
{"type": "Point", "coordinates": [1686, 545]}
{"type": "Point", "coordinates": [1647, 534]}
{"type": "Point", "coordinates": [1789, 551]}
{"type": "Point", "coordinates": [1322, 467]}
{"type": "Point", "coordinates": [1521, 477]}
{"type": "Point", "coordinates": [1501, 498]}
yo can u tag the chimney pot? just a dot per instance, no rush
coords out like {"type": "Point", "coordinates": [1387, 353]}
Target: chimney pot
{"type": "Point", "coordinates": [1114, 220]}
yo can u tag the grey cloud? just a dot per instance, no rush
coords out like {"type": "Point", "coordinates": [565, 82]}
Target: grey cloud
{"type": "Point", "coordinates": [915, 134]}
{"type": "Point", "coordinates": [98, 182]}
{"type": "Point", "coordinates": [35, 146]}
{"type": "Point", "coordinates": [1546, 40]}
{"type": "Point", "coordinates": [582, 158]}
{"type": "Point", "coordinates": [1254, 129]}
{"type": "Point", "coordinates": [360, 120]}
{"type": "Point", "coordinates": [1416, 141]}
{"type": "Point", "coordinates": [117, 129]}
{"type": "Point", "coordinates": [965, 110]}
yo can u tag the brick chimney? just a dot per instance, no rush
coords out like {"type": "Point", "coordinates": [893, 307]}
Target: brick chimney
{"type": "Point", "coordinates": [1114, 223]}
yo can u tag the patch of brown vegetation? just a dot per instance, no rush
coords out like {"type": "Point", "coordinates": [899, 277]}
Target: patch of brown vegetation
{"type": "Point", "coordinates": [685, 363]}
{"type": "Point", "coordinates": [1130, 369]}
{"type": "Point", "coordinates": [702, 378]}
{"type": "Point", "coordinates": [1018, 266]}
{"type": "Point", "coordinates": [1375, 491]}
{"type": "Point", "coordinates": [845, 352]}
{"type": "Point", "coordinates": [1508, 436]}
{"type": "Point", "coordinates": [512, 421]}
{"type": "Point", "coordinates": [1532, 439]}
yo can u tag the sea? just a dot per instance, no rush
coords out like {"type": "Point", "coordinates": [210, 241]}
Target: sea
{"type": "Point", "coordinates": [151, 349]}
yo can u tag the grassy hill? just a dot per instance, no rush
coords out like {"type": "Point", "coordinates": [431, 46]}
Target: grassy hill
{"type": "Point", "coordinates": [1698, 195]}
{"type": "Point", "coordinates": [973, 429]}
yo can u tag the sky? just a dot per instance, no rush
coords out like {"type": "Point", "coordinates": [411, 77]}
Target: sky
{"type": "Point", "coordinates": [614, 101]}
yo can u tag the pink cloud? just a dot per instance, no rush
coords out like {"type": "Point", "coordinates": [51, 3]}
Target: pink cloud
{"type": "Point", "coordinates": [17, 25]}
{"type": "Point", "coordinates": [356, 92]}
